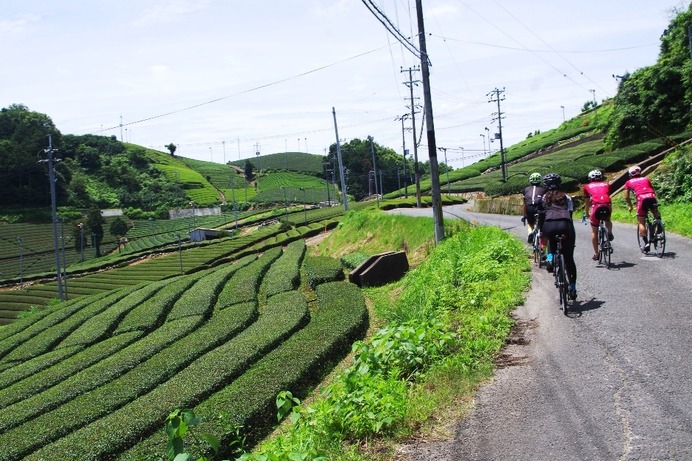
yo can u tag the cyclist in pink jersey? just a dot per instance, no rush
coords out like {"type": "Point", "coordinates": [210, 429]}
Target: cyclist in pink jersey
{"type": "Point", "coordinates": [597, 205]}
{"type": "Point", "coordinates": [646, 199]}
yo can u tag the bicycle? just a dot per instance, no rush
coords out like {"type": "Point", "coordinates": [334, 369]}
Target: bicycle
{"type": "Point", "coordinates": [656, 236]}
{"type": "Point", "coordinates": [537, 249]}
{"type": "Point", "coordinates": [560, 275]}
{"type": "Point", "coordinates": [605, 248]}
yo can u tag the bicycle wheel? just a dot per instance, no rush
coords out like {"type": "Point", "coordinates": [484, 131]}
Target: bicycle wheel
{"type": "Point", "coordinates": [537, 253]}
{"type": "Point", "coordinates": [640, 239]}
{"type": "Point", "coordinates": [659, 238]}
{"type": "Point", "coordinates": [562, 283]}
{"type": "Point", "coordinates": [603, 246]}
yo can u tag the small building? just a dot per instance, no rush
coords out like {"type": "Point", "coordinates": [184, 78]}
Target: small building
{"type": "Point", "coordinates": [200, 234]}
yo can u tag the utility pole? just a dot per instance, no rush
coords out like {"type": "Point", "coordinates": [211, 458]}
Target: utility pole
{"type": "Point", "coordinates": [410, 83]}
{"type": "Point", "coordinates": [53, 203]}
{"type": "Point", "coordinates": [432, 148]}
{"type": "Point", "coordinates": [374, 167]}
{"type": "Point", "coordinates": [403, 145]}
{"type": "Point", "coordinates": [341, 163]}
{"type": "Point", "coordinates": [495, 97]}
{"type": "Point", "coordinates": [21, 262]}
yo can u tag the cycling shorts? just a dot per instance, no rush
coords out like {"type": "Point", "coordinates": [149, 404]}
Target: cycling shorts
{"type": "Point", "coordinates": [646, 204]}
{"type": "Point", "coordinates": [599, 212]}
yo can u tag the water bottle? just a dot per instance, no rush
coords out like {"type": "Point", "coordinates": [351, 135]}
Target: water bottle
{"type": "Point", "coordinates": [550, 257]}
{"type": "Point", "coordinates": [583, 219]}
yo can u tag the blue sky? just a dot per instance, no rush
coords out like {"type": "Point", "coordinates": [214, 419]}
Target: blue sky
{"type": "Point", "coordinates": [222, 79]}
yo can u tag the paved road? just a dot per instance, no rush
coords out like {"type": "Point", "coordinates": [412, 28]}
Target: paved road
{"type": "Point", "coordinates": [611, 381]}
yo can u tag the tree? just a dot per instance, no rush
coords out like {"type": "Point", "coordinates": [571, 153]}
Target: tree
{"type": "Point", "coordinates": [172, 148]}
{"type": "Point", "coordinates": [94, 225]}
{"type": "Point", "coordinates": [118, 228]}
{"type": "Point", "coordinates": [248, 168]}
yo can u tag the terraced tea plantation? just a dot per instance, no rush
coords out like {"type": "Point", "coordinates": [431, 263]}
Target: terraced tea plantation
{"type": "Point", "coordinates": [96, 377]}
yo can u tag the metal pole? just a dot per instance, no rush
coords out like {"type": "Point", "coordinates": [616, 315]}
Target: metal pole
{"type": "Point", "coordinates": [64, 260]}
{"type": "Point", "coordinates": [180, 253]}
{"type": "Point", "coordinates": [341, 165]}
{"type": "Point", "coordinates": [305, 211]}
{"type": "Point", "coordinates": [374, 167]}
{"type": "Point", "coordinates": [21, 262]}
{"type": "Point", "coordinates": [235, 207]}
{"type": "Point", "coordinates": [81, 242]}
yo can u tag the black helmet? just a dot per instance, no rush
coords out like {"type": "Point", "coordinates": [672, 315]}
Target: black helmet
{"type": "Point", "coordinates": [552, 181]}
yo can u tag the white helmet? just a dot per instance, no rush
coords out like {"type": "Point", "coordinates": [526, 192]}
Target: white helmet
{"type": "Point", "coordinates": [635, 170]}
{"type": "Point", "coordinates": [595, 175]}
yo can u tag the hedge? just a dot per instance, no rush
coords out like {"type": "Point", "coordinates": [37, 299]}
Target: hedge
{"type": "Point", "coordinates": [151, 313]}
{"type": "Point", "coordinates": [98, 374]}
{"type": "Point", "coordinates": [297, 365]}
{"type": "Point", "coordinates": [47, 339]}
{"type": "Point", "coordinates": [25, 329]}
{"type": "Point", "coordinates": [284, 274]}
{"type": "Point", "coordinates": [285, 313]}
{"type": "Point", "coordinates": [243, 286]}
{"type": "Point", "coordinates": [200, 298]}
{"type": "Point", "coordinates": [30, 367]}
{"type": "Point", "coordinates": [321, 269]}
{"type": "Point", "coordinates": [52, 375]}
{"type": "Point", "coordinates": [127, 387]}
{"type": "Point", "coordinates": [100, 325]}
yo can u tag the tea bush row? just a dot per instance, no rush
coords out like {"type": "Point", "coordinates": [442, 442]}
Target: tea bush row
{"type": "Point", "coordinates": [284, 314]}
{"type": "Point", "coordinates": [284, 274]}
{"type": "Point", "coordinates": [100, 325]}
{"type": "Point", "coordinates": [298, 364]}
{"type": "Point", "coordinates": [48, 373]}
{"type": "Point", "coordinates": [138, 381]}
{"type": "Point", "coordinates": [45, 340]}
{"type": "Point", "coordinates": [321, 269]}
{"type": "Point", "coordinates": [199, 299]}
{"type": "Point", "coordinates": [244, 285]}
{"type": "Point", "coordinates": [97, 375]}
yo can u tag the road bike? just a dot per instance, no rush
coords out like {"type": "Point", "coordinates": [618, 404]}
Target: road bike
{"type": "Point", "coordinates": [560, 274]}
{"type": "Point", "coordinates": [655, 236]}
{"type": "Point", "coordinates": [605, 248]}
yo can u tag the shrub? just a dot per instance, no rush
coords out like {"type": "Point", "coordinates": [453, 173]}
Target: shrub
{"type": "Point", "coordinates": [321, 269]}
{"type": "Point", "coordinates": [284, 274]}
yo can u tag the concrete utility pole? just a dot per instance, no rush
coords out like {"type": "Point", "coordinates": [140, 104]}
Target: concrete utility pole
{"type": "Point", "coordinates": [432, 148]}
{"type": "Point", "coordinates": [495, 97]}
{"type": "Point", "coordinates": [410, 83]}
{"type": "Point", "coordinates": [341, 164]}
{"type": "Point", "coordinates": [53, 204]}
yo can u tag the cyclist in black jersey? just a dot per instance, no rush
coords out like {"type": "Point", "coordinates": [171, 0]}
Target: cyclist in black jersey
{"type": "Point", "coordinates": [558, 220]}
{"type": "Point", "coordinates": [533, 201]}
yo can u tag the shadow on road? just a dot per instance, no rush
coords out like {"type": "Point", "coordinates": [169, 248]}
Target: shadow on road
{"type": "Point", "coordinates": [618, 266]}
{"type": "Point", "coordinates": [579, 307]}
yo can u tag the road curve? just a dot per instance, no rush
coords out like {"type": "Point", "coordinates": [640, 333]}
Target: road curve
{"type": "Point", "coordinates": [610, 381]}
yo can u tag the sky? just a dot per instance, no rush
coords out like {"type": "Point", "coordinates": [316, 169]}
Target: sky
{"type": "Point", "coordinates": [225, 79]}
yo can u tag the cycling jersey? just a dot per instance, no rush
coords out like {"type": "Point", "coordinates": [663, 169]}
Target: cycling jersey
{"type": "Point", "coordinates": [644, 191]}
{"type": "Point", "coordinates": [533, 195]}
{"type": "Point", "coordinates": [599, 194]}
{"type": "Point", "coordinates": [554, 212]}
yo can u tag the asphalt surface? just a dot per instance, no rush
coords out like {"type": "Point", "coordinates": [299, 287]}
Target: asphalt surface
{"type": "Point", "coordinates": [612, 380]}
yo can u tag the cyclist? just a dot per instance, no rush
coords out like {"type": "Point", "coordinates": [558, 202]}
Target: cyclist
{"type": "Point", "coordinates": [646, 200]}
{"type": "Point", "coordinates": [597, 205]}
{"type": "Point", "coordinates": [533, 199]}
{"type": "Point", "coordinates": [558, 208]}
